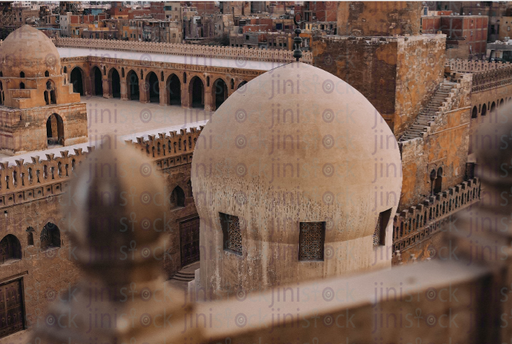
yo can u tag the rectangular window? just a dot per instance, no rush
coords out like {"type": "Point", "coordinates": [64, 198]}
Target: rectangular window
{"type": "Point", "coordinates": [11, 308]}
{"type": "Point", "coordinates": [231, 233]}
{"type": "Point", "coordinates": [311, 241]}
{"type": "Point", "coordinates": [379, 235]}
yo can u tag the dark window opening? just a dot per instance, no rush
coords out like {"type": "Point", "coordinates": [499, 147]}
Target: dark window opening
{"type": "Point", "coordinates": [232, 233]}
{"type": "Point", "coordinates": [177, 197]}
{"type": "Point", "coordinates": [311, 241]}
{"type": "Point", "coordinates": [379, 235]}
{"type": "Point", "coordinates": [50, 236]}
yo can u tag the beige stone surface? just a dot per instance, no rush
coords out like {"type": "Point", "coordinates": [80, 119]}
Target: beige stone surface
{"type": "Point", "coordinates": [316, 164]}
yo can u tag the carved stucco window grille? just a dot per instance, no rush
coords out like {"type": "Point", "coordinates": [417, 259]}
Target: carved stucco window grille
{"type": "Point", "coordinates": [311, 241]}
{"type": "Point", "coordinates": [232, 233]}
{"type": "Point", "coordinates": [379, 235]}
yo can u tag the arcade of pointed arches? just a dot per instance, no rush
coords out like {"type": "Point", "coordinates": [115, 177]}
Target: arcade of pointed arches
{"type": "Point", "coordinates": [160, 86]}
{"type": "Point", "coordinates": [491, 107]}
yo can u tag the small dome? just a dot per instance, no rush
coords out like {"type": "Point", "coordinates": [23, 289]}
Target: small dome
{"type": "Point", "coordinates": [30, 51]}
{"type": "Point", "coordinates": [296, 144]}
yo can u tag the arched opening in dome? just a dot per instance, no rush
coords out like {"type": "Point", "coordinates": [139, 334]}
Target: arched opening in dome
{"type": "Point", "coordinates": [22, 74]}
{"type": "Point", "coordinates": [379, 235]}
{"type": "Point", "coordinates": [30, 236]}
{"type": "Point", "coordinates": [484, 110]}
{"type": "Point", "coordinates": [177, 198]}
{"type": "Point", "coordinates": [173, 87]}
{"type": "Point", "coordinates": [22, 85]}
{"type": "Point", "coordinates": [196, 92]}
{"type": "Point", "coordinates": [10, 249]}
{"type": "Point", "coordinates": [46, 73]}
{"type": "Point", "coordinates": [438, 184]}
{"type": "Point", "coordinates": [133, 85]}
{"type": "Point", "coordinates": [220, 93]}
{"type": "Point", "coordinates": [55, 130]}
{"type": "Point", "coordinates": [97, 83]}
{"type": "Point", "coordinates": [115, 83]}
{"type": "Point", "coordinates": [474, 113]}
{"type": "Point", "coordinates": [50, 236]}
{"type": "Point", "coordinates": [49, 94]}
{"type": "Point", "coordinates": [153, 88]}
{"type": "Point", "coordinates": [77, 80]}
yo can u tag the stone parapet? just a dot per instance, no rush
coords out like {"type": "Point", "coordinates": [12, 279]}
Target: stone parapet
{"type": "Point", "coordinates": [184, 49]}
{"type": "Point", "coordinates": [421, 221]}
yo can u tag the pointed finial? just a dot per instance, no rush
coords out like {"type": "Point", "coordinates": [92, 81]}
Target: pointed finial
{"type": "Point", "coordinates": [297, 40]}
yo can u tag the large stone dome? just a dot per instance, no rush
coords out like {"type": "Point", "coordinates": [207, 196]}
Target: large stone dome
{"type": "Point", "coordinates": [30, 51]}
{"type": "Point", "coordinates": [294, 145]}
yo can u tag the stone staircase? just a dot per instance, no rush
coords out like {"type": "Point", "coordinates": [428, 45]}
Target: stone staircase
{"type": "Point", "coordinates": [184, 276]}
{"type": "Point", "coordinates": [429, 113]}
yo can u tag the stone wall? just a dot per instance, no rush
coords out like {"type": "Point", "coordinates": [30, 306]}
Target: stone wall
{"type": "Point", "coordinates": [389, 71]}
{"type": "Point", "coordinates": [33, 193]}
{"type": "Point", "coordinates": [358, 18]}
{"type": "Point", "coordinates": [420, 69]}
{"type": "Point", "coordinates": [25, 130]}
{"type": "Point", "coordinates": [445, 145]}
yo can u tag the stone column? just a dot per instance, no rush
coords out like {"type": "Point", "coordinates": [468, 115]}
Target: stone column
{"type": "Point", "coordinates": [163, 93]}
{"type": "Point", "coordinates": [208, 98]}
{"type": "Point", "coordinates": [185, 97]}
{"type": "Point", "coordinates": [106, 87]}
{"type": "Point", "coordinates": [124, 89]}
{"type": "Point", "coordinates": [143, 91]}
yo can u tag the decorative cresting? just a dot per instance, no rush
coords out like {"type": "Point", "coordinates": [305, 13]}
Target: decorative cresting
{"type": "Point", "coordinates": [118, 206]}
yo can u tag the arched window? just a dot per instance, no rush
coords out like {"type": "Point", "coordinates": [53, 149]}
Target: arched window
{"type": "Point", "coordinates": [438, 185]}
{"type": "Point", "coordinates": [50, 236]}
{"type": "Point", "coordinates": [46, 73]}
{"type": "Point", "coordinates": [22, 74]}
{"type": "Point", "coordinates": [30, 236]}
{"type": "Point", "coordinates": [122, 71]}
{"type": "Point", "coordinates": [50, 96]}
{"type": "Point", "coordinates": [184, 77]}
{"type": "Point", "coordinates": [177, 197]}
{"type": "Point", "coordinates": [55, 130]}
{"type": "Point", "coordinates": [474, 113]}
{"type": "Point", "coordinates": [65, 69]}
{"type": "Point", "coordinates": [484, 110]}
{"type": "Point", "coordinates": [10, 248]}
{"type": "Point", "coordinates": [22, 86]}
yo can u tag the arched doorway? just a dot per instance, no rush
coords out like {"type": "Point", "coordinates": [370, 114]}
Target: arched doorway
{"type": "Point", "coordinates": [115, 83]}
{"type": "Point", "coordinates": [173, 90]}
{"type": "Point", "coordinates": [97, 84]}
{"type": "Point", "coordinates": [77, 80]}
{"type": "Point", "coordinates": [50, 236]}
{"type": "Point", "coordinates": [153, 88]}
{"type": "Point", "coordinates": [133, 85]}
{"type": "Point", "coordinates": [10, 248]}
{"type": "Point", "coordinates": [220, 93]}
{"type": "Point", "coordinates": [55, 130]}
{"type": "Point", "coordinates": [196, 92]}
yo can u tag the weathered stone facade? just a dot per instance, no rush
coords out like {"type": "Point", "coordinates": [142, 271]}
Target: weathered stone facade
{"type": "Point", "coordinates": [389, 71]}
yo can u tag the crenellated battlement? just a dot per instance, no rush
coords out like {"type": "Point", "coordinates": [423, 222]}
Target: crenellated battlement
{"type": "Point", "coordinates": [418, 222]}
{"type": "Point", "coordinates": [184, 49]}
{"type": "Point", "coordinates": [460, 65]}
{"type": "Point", "coordinates": [24, 181]}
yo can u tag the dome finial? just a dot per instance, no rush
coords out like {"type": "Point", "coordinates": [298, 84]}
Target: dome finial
{"type": "Point", "coordinates": [297, 40]}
